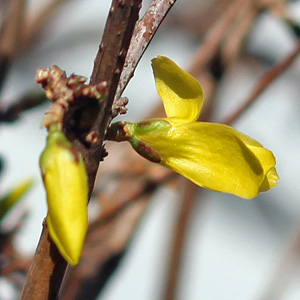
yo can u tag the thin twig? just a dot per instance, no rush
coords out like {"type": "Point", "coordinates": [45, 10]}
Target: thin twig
{"type": "Point", "coordinates": [231, 47]}
{"type": "Point", "coordinates": [143, 33]}
{"type": "Point", "coordinates": [263, 83]}
{"type": "Point", "coordinates": [287, 267]}
{"type": "Point", "coordinates": [212, 41]}
{"type": "Point", "coordinates": [142, 187]}
{"type": "Point", "coordinates": [181, 230]}
{"type": "Point", "coordinates": [108, 66]}
{"type": "Point", "coordinates": [28, 101]}
{"type": "Point", "coordinates": [33, 27]}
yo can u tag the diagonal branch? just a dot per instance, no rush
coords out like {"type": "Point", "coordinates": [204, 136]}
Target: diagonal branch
{"type": "Point", "coordinates": [143, 33]}
{"type": "Point", "coordinates": [33, 26]}
{"type": "Point", "coordinates": [47, 270]}
{"type": "Point", "coordinates": [264, 82]}
{"type": "Point", "coordinates": [108, 66]}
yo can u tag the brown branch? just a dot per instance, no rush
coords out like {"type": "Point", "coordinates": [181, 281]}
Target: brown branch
{"type": "Point", "coordinates": [284, 272]}
{"type": "Point", "coordinates": [46, 271]}
{"type": "Point", "coordinates": [108, 66]}
{"type": "Point", "coordinates": [26, 102]}
{"type": "Point", "coordinates": [212, 41]}
{"type": "Point", "coordinates": [118, 205]}
{"type": "Point", "coordinates": [180, 230]}
{"type": "Point", "coordinates": [143, 33]}
{"type": "Point", "coordinates": [264, 82]}
{"type": "Point", "coordinates": [139, 189]}
{"type": "Point", "coordinates": [238, 31]}
{"type": "Point", "coordinates": [33, 27]}
{"type": "Point", "coordinates": [48, 267]}
{"type": "Point", "coordinates": [11, 32]}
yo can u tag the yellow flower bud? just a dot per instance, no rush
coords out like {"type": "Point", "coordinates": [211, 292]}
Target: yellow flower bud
{"type": "Point", "coordinates": [66, 185]}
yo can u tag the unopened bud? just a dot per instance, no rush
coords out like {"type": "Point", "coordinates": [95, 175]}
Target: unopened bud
{"type": "Point", "coordinates": [65, 180]}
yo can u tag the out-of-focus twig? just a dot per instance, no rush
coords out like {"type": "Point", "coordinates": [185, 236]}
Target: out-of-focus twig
{"type": "Point", "coordinates": [263, 83]}
{"type": "Point", "coordinates": [10, 36]}
{"type": "Point", "coordinates": [213, 40]}
{"type": "Point", "coordinates": [12, 262]}
{"type": "Point", "coordinates": [284, 271]}
{"type": "Point", "coordinates": [238, 31]}
{"type": "Point", "coordinates": [110, 233]}
{"type": "Point", "coordinates": [141, 187]}
{"type": "Point", "coordinates": [26, 102]}
{"type": "Point", "coordinates": [33, 26]}
{"type": "Point", "coordinates": [188, 197]}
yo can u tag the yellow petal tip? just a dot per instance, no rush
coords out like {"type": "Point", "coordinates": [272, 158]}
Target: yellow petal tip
{"type": "Point", "coordinates": [181, 93]}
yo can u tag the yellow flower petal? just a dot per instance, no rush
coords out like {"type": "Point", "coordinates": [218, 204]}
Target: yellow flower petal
{"type": "Point", "coordinates": [266, 158]}
{"type": "Point", "coordinates": [213, 156]}
{"type": "Point", "coordinates": [180, 92]}
{"type": "Point", "coordinates": [65, 180]}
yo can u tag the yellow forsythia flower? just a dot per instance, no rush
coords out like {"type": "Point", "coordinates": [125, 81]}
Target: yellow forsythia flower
{"type": "Point", "coordinates": [66, 185]}
{"type": "Point", "coordinates": [214, 156]}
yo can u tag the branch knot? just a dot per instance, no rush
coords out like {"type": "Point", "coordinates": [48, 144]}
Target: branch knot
{"type": "Point", "coordinates": [65, 92]}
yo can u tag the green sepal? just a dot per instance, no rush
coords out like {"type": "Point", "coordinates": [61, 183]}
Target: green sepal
{"type": "Point", "coordinates": [136, 131]}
